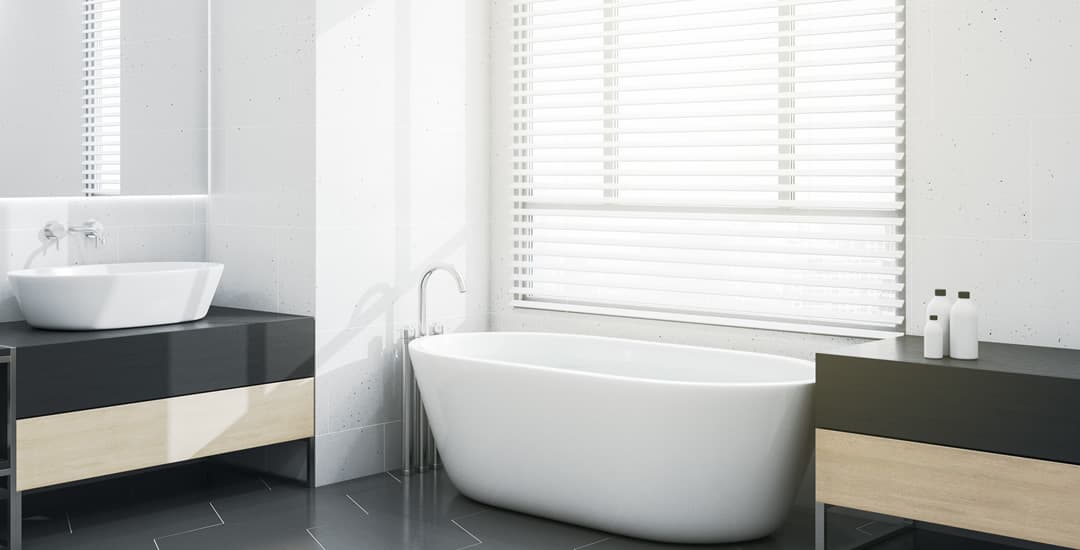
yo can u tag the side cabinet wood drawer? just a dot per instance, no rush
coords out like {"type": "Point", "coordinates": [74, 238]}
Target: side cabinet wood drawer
{"type": "Point", "coordinates": [79, 445]}
{"type": "Point", "coordinates": [1004, 495]}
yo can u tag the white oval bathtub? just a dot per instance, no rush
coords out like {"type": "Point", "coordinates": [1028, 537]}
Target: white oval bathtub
{"type": "Point", "coordinates": [657, 441]}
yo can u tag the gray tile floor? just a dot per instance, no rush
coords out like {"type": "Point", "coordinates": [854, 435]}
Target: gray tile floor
{"type": "Point", "coordinates": [240, 511]}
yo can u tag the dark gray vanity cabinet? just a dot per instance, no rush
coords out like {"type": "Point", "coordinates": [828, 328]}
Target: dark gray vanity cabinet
{"type": "Point", "coordinates": [84, 405]}
{"type": "Point", "coordinates": [988, 446]}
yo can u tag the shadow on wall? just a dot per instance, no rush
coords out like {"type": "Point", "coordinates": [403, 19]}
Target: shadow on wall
{"type": "Point", "coordinates": [379, 302]}
{"type": "Point", "coordinates": [407, 84]}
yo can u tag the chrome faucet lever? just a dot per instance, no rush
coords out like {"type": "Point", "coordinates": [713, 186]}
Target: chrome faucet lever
{"type": "Point", "coordinates": [52, 233]}
{"type": "Point", "coordinates": [92, 230]}
{"type": "Point", "coordinates": [423, 327]}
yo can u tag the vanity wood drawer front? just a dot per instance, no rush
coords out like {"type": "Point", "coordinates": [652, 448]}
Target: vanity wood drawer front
{"type": "Point", "coordinates": [79, 445]}
{"type": "Point", "coordinates": [1005, 495]}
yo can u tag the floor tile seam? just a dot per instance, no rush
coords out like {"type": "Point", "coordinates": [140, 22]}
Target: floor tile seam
{"type": "Point", "coordinates": [593, 543]}
{"type": "Point", "coordinates": [467, 532]}
{"type": "Point", "coordinates": [358, 428]}
{"type": "Point", "coordinates": [204, 527]}
{"type": "Point", "coordinates": [353, 500]}
{"type": "Point", "coordinates": [314, 538]}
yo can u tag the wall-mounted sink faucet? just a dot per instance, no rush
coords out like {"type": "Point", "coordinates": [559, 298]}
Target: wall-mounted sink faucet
{"type": "Point", "coordinates": [52, 233]}
{"type": "Point", "coordinates": [92, 230]}
{"type": "Point", "coordinates": [423, 328]}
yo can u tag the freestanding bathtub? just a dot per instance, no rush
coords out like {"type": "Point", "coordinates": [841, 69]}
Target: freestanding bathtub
{"type": "Point", "coordinates": [656, 441]}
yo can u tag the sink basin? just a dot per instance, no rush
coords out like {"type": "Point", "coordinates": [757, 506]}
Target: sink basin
{"type": "Point", "coordinates": [110, 296]}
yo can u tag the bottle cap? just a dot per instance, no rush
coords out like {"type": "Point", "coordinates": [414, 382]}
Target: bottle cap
{"type": "Point", "coordinates": [939, 292]}
{"type": "Point", "coordinates": [933, 317]}
{"type": "Point", "coordinates": [964, 294]}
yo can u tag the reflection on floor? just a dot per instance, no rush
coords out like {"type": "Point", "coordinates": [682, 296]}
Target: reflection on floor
{"type": "Point", "coordinates": [207, 508]}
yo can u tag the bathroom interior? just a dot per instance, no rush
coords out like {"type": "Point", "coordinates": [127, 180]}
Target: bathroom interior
{"type": "Point", "coordinates": [539, 274]}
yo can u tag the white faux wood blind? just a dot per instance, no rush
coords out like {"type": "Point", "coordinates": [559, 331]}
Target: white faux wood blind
{"type": "Point", "coordinates": [735, 162]}
{"type": "Point", "coordinates": [101, 97]}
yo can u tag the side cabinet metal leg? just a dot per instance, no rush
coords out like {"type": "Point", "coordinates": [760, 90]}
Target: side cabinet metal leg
{"type": "Point", "coordinates": [311, 462]}
{"type": "Point", "coordinates": [15, 520]}
{"type": "Point", "coordinates": [819, 525]}
{"type": "Point", "coordinates": [14, 496]}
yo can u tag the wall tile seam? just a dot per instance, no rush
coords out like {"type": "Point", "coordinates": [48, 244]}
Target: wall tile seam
{"type": "Point", "coordinates": [992, 239]}
{"type": "Point", "coordinates": [261, 126]}
{"type": "Point", "coordinates": [358, 428]}
{"type": "Point", "coordinates": [245, 226]}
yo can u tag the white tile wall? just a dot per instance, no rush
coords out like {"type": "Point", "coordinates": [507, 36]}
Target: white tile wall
{"type": "Point", "coordinates": [261, 213]}
{"type": "Point", "coordinates": [137, 229]}
{"type": "Point", "coordinates": [402, 183]}
{"type": "Point", "coordinates": [993, 174]}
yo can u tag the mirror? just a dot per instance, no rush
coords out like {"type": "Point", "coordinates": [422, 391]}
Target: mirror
{"type": "Point", "coordinates": [103, 97]}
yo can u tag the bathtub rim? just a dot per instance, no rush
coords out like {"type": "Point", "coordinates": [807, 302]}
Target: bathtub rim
{"type": "Point", "coordinates": [419, 344]}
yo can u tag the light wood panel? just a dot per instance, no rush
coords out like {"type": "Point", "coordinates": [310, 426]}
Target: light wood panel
{"type": "Point", "coordinates": [79, 445]}
{"type": "Point", "coordinates": [1004, 495]}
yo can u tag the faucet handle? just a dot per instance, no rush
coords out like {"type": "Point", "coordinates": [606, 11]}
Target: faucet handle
{"type": "Point", "coordinates": [92, 229]}
{"type": "Point", "coordinates": [52, 233]}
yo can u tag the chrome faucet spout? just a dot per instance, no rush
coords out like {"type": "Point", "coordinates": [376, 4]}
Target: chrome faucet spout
{"type": "Point", "coordinates": [423, 328]}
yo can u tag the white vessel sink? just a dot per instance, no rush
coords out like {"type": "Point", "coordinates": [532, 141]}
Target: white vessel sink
{"type": "Point", "coordinates": [110, 296]}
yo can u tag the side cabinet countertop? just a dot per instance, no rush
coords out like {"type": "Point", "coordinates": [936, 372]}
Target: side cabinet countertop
{"type": "Point", "coordinates": [1016, 400]}
{"type": "Point", "coordinates": [60, 372]}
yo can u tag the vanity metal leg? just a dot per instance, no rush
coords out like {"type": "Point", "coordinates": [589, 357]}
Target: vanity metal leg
{"type": "Point", "coordinates": [15, 519]}
{"type": "Point", "coordinates": [14, 537]}
{"type": "Point", "coordinates": [311, 462]}
{"type": "Point", "coordinates": [819, 525]}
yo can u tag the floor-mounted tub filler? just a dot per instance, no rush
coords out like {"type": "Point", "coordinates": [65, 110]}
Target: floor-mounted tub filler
{"type": "Point", "coordinates": [657, 441]}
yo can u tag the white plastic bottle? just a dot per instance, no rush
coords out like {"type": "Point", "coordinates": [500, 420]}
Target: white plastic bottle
{"type": "Point", "coordinates": [934, 339]}
{"type": "Point", "coordinates": [940, 305]}
{"type": "Point", "coordinates": [964, 328]}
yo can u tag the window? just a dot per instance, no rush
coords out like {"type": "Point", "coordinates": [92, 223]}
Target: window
{"type": "Point", "coordinates": [736, 163]}
{"type": "Point", "coordinates": [101, 97]}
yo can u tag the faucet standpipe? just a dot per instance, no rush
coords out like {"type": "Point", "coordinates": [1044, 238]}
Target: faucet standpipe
{"type": "Point", "coordinates": [418, 450]}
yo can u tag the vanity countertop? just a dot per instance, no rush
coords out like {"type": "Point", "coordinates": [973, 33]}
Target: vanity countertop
{"type": "Point", "coordinates": [1016, 400]}
{"type": "Point", "coordinates": [59, 372]}
{"type": "Point", "coordinates": [18, 334]}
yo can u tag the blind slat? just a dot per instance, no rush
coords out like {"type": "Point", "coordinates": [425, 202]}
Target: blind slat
{"type": "Point", "coordinates": [893, 27]}
{"type": "Point", "coordinates": [687, 99]}
{"type": "Point", "coordinates": [833, 265]}
{"type": "Point", "coordinates": [699, 230]}
{"type": "Point", "coordinates": [753, 188]}
{"type": "Point", "coordinates": [685, 272]}
{"type": "Point", "coordinates": [712, 113]}
{"type": "Point", "coordinates": [674, 286]}
{"type": "Point", "coordinates": [714, 244]}
{"type": "Point", "coordinates": [790, 313]}
{"type": "Point", "coordinates": [699, 143]}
